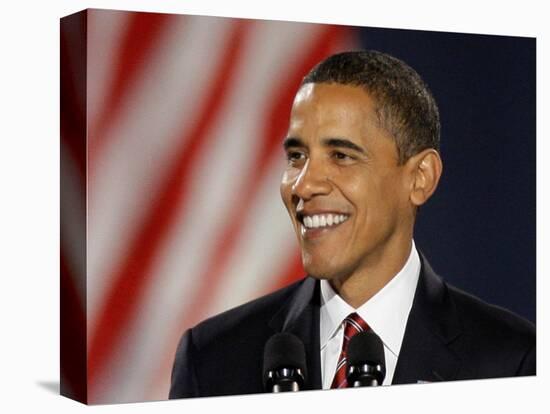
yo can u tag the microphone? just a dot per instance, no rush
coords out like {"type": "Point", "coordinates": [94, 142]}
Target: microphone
{"type": "Point", "coordinates": [366, 366]}
{"type": "Point", "coordinates": [284, 363]}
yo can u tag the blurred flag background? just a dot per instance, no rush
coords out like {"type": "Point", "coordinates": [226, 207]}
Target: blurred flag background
{"type": "Point", "coordinates": [185, 117]}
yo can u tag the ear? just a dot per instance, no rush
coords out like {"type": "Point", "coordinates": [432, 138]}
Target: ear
{"type": "Point", "coordinates": [426, 168]}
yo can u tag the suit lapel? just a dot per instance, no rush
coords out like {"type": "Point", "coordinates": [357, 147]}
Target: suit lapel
{"type": "Point", "coordinates": [300, 316]}
{"type": "Point", "coordinates": [432, 325]}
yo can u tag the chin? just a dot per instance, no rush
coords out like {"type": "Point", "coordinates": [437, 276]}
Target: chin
{"type": "Point", "coordinates": [315, 270]}
{"type": "Point", "coordinates": [321, 271]}
{"type": "Point", "coordinates": [320, 268]}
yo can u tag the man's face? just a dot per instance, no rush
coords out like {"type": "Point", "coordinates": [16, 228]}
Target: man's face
{"type": "Point", "coordinates": [346, 194]}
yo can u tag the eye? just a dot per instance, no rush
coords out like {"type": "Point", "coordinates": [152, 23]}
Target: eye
{"type": "Point", "coordinates": [341, 156]}
{"type": "Point", "coordinates": [294, 156]}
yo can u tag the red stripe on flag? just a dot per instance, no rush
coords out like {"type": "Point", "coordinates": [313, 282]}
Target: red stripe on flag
{"type": "Point", "coordinates": [130, 280]}
{"type": "Point", "coordinates": [141, 38]}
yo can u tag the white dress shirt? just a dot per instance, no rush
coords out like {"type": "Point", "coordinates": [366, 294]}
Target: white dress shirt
{"type": "Point", "coordinates": [386, 313]}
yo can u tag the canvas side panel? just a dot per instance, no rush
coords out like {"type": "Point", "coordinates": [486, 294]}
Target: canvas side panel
{"type": "Point", "coordinates": [73, 122]}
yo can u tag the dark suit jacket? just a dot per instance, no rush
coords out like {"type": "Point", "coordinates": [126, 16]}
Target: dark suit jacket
{"type": "Point", "coordinates": [450, 335]}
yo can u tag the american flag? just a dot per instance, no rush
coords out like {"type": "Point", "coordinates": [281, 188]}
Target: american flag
{"type": "Point", "coordinates": [175, 184]}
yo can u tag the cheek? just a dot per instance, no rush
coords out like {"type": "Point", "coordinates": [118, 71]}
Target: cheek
{"type": "Point", "coordinates": [356, 189]}
{"type": "Point", "coordinates": [386, 200]}
{"type": "Point", "coordinates": [373, 196]}
{"type": "Point", "coordinates": [287, 181]}
{"type": "Point", "coordinates": [289, 176]}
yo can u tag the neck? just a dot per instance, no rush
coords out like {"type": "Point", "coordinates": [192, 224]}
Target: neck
{"type": "Point", "coordinates": [374, 274]}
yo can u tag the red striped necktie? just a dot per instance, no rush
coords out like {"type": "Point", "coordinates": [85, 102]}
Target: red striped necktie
{"type": "Point", "coordinates": [353, 324]}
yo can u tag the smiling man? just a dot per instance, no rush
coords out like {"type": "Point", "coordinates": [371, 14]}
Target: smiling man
{"type": "Point", "coordinates": [351, 199]}
{"type": "Point", "coordinates": [363, 155]}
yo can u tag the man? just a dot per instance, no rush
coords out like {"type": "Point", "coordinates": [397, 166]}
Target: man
{"type": "Point", "coordinates": [362, 150]}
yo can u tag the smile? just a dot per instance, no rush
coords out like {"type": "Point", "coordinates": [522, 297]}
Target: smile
{"type": "Point", "coordinates": [323, 220]}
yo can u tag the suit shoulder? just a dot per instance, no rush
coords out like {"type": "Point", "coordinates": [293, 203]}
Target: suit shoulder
{"type": "Point", "coordinates": [223, 355]}
{"type": "Point", "coordinates": [491, 321]}
{"type": "Point", "coordinates": [243, 320]}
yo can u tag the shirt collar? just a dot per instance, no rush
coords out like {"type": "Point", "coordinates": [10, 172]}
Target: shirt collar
{"type": "Point", "coordinates": [386, 312]}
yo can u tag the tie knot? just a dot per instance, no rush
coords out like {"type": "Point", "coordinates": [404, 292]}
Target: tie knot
{"type": "Point", "coordinates": [353, 324]}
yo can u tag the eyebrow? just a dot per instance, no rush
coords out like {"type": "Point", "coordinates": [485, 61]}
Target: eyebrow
{"type": "Point", "coordinates": [343, 143]}
{"type": "Point", "coordinates": [292, 142]}
{"type": "Point", "coordinates": [329, 142]}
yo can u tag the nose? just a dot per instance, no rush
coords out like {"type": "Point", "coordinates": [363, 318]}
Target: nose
{"type": "Point", "coordinates": [312, 180]}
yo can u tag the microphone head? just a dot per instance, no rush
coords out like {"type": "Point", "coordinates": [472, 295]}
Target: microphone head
{"type": "Point", "coordinates": [284, 350]}
{"type": "Point", "coordinates": [366, 348]}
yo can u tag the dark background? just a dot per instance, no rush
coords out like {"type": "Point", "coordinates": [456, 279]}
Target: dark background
{"type": "Point", "coordinates": [479, 230]}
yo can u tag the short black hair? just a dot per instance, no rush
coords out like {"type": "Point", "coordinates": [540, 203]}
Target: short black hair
{"type": "Point", "coordinates": [405, 106]}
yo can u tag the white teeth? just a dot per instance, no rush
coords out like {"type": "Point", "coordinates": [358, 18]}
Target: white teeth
{"type": "Point", "coordinates": [323, 220]}
{"type": "Point", "coordinates": [315, 221]}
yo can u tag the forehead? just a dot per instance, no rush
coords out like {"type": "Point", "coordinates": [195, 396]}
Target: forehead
{"type": "Point", "coordinates": [332, 105]}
